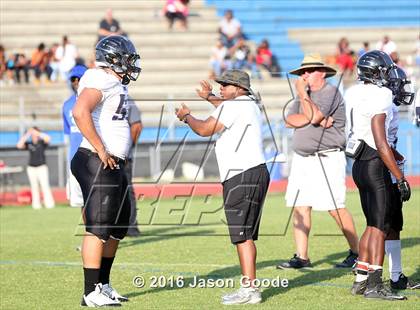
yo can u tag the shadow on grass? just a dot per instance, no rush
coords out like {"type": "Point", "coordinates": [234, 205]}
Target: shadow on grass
{"type": "Point", "coordinates": [166, 233]}
{"type": "Point", "coordinates": [309, 276]}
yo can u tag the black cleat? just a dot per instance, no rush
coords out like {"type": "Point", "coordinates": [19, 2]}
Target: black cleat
{"type": "Point", "coordinates": [349, 261]}
{"type": "Point", "coordinates": [359, 287]}
{"type": "Point", "coordinates": [295, 262]}
{"type": "Point", "coordinates": [381, 292]}
{"type": "Point", "coordinates": [404, 283]}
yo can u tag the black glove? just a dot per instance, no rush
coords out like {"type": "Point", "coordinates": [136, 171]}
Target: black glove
{"type": "Point", "coordinates": [404, 188]}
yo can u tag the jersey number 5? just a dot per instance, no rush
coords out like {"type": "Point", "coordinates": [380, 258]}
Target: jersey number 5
{"type": "Point", "coordinates": [121, 112]}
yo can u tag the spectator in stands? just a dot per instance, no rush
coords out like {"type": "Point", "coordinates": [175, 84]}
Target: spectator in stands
{"type": "Point", "coordinates": [15, 65]}
{"type": "Point", "coordinates": [53, 61]}
{"type": "Point", "coordinates": [176, 10]}
{"type": "Point", "coordinates": [242, 58]}
{"type": "Point", "coordinates": [386, 45]}
{"type": "Point", "coordinates": [266, 59]}
{"type": "Point", "coordinates": [219, 59]}
{"type": "Point", "coordinates": [397, 60]}
{"type": "Point", "coordinates": [109, 26]}
{"type": "Point", "coordinates": [36, 142]}
{"type": "Point", "coordinates": [417, 51]}
{"type": "Point", "coordinates": [364, 49]}
{"type": "Point", "coordinates": [40, 63]}
{"type": "Point", "coordinates": [345, 56]}
{"type": "Point", "coordinates": [66, 54]}
{"type": "Point", "coordinates": [229, 29]}
{"type": "Point", "coordinates": [2, 64]}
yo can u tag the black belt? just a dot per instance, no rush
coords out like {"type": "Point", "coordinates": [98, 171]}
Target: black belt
{"type": "Point", "coordinates": [90, 153]}
{"type": "Point", "coordinates": [324, 153]}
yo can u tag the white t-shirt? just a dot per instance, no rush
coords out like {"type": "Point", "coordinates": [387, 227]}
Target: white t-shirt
{"type": "Point", "coordinates": [363, 102]}
{"type": "Point", "coordinates": [388, 48]}
{"type": "Point", "coordinates": [230, 28]}
{"type": "Point", "coordinates": [110, 116]}
{"type": "Point", "coordinates": [67, 57]}
{"type": "Point", "coordinates": [239, 147]}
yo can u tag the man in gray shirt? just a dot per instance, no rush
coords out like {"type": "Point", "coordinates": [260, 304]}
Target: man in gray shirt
{"type": "Point", "coordinates": [136, 126]}
{"type": "Point", "coordinates": [317, 176]}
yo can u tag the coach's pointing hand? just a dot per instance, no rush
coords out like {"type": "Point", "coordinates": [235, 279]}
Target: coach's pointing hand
{"type": "Point", "coordinates": [182, 112]}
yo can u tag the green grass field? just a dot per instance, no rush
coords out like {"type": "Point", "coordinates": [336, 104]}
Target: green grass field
{"type": "Point", "coordinates": [41, 269]}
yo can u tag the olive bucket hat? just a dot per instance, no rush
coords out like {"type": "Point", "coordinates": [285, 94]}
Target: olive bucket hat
{"type": "Point", "coordinates": [235, 77]}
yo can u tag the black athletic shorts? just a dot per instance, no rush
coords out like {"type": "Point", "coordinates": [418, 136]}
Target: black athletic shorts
{"type": "Point", "coordinates": [374, 182]}
{"type": "Point", "coordinates": [243, 197]}
{"type": "Point", "coordinates": [106, 202]}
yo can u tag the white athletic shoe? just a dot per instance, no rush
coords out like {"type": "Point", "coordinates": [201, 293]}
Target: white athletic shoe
{"type": "Point", "coordinates": [243, 296]}
{"type": "Point", "coordinates": [98, 299]}
{"type": "Point", "coordinates": [109, 291]}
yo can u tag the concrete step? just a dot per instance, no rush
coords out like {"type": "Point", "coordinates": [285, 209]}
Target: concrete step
{"type": "Point", "coordinates": [353, 34]}
{"type": "Point", "coordinates": [68, 5]}
{"type": "Point", "coordinates": [84, 40]}
{"type": "Point", "coordinates": [138, 26]}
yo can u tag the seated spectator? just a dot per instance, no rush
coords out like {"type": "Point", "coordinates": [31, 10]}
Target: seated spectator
{"type": "Point", "coordinates": [109, 26]}
{"type": "Point", "coordinates": [2, 64]}
{"type": "Point", "coordinates": [40, 63]}
{"type": "Point", "coordinates": [364, 49]}
{"type": "Point", "coordinates": [219, 59]}
{"type": "Point", "coordinates": [386, 45]}
{"type": "Point", "coordinates": [417, 51]}
{"type": "Point", "coordinates": [397, 60]}
{"type": "Point", "coordinates": [15, 65]}
{"type": "Point", "coordinates": [53, 61]}
{"type": "Point", "coordinates": [229, 29]}
{"type": "Point", "coordinates": [243, 59]}
{"type": "Point", "coordinates": [345, 56]}
{"type": "Point", "coordinates": [266, 59]}
{"type": "Point", "coordinates": [176, 10]}
{"type": "Point", "coordinates": [67, 55]}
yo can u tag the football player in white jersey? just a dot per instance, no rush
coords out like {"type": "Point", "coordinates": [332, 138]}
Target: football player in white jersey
{"type": "Point", "coordinates": [98, 165]}
{"type": "Point", "coordinates": [369, 110]}
{"type": "Point", "coordinates": [402, 96]}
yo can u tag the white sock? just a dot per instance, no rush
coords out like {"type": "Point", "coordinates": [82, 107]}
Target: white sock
{"type": "Point", "coordinates": [361, 271]}
{"type": "Point", "coordinates": [393, 250]}
{"type": "Point", "coordinates": [375, 267]}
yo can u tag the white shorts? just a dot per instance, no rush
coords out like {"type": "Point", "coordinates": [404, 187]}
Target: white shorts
{"type": "Point", "coordinates": [308, 185]}
{"type": "Point", "coordinates": [73, 191]}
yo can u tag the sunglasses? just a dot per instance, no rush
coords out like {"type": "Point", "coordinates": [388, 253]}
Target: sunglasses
{"type": "Point", "coordinates": [74, 79]}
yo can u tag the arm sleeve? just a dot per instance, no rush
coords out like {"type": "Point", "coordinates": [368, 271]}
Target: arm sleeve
{"type": "Point", "coordinates": [66, 125]}
{"type": "Point", "coordinates": [383, 104]}
{"type": "Point", "coordinates": [226, 114]}
{"type": "Point", "coordinates": [330, 102]}
{"type": "Point", "coordinates": [293, 107]}
{"type": "Point", "coordinates": [134, 115]}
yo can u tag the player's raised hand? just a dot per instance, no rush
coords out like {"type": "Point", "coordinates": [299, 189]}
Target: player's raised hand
{"type": "Point", "coordinates": [205, 91]}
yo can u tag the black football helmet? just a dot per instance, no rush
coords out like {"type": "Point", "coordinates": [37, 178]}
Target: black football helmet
{"type": "Point", "coordinates": [400, 86]}
{"type": "Point", "coordinates": [375, 67]}
{"type": "Point", "coordinates": [119, 54]}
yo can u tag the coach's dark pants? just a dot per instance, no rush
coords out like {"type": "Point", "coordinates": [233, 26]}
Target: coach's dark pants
{"type": "Point", "coordinates": [243, 197]}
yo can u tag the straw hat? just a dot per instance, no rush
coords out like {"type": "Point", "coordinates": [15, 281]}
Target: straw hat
{"type": "Point", "coordinates": [313, 61]}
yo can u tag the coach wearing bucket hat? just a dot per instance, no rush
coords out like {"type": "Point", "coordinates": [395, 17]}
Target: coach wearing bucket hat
{"type": "Point", "coordinates": [239, 151]}
{"type": "Point", "coordinates": [317, 175]}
